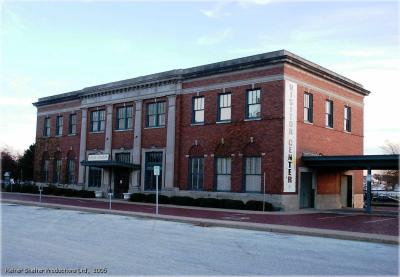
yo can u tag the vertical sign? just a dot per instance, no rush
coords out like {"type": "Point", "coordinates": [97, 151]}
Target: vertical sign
{"type": "Point", "coordinates": [289, 142]}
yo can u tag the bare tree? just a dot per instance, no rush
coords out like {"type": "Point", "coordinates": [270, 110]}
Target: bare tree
{"type": "Point", "coordinates": [391, 176]}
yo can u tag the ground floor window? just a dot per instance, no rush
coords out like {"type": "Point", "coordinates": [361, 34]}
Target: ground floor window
{"type": "Point", "coordinates": [196, 173]}
{"type": "Point", "coordinates": [223, 172]}
{"type": "Point", "coordinates": [253, 174]}
{"type": "Point", "coordinates": [45, 171]}
{"type": "Point", "coordinates": [152, 159]}
{"type": "Point", "coordinates": [57, 171]}
{"type": "Point", "coordinates": [71, 171]}
{"type": "Point", "coordinates": [95, 177]}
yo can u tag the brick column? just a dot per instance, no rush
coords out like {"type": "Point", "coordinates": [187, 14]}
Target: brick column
{"type": "Point", "coordinates": [170, 151]}
{"type": "Point", "coordinates": [82, 148]}
{"type": "Point", "coordinates": [137, 144]}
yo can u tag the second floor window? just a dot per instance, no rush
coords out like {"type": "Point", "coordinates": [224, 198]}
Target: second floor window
{"type": "Point", "coordinates": [224, 107]}
{"type": "Point", "coordinates": [253, 101]}
{"type": "Point", "coordinates": [72, 124]}
{"type": "Point", "coordinates": [46, 127]}
{"type": "Point", "coordinates": [198, 110]}
{"type": "Point", "coordinates": [308, 107]}
{"type": "Point", "coordinates": [329, 113]}
{"type": "Point", "coordinates": [97, 121]}
{"type": "Point", "coordinates": [124, 118]}
{"type": "Point", "coordinates": [59, 125]}
{"type": "Point", "coordinates": [155, 114]}
{"type": "Point", "coordinates": [347, 119]}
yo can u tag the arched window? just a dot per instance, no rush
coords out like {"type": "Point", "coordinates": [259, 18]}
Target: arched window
{"type": "Point", "coordinates": [71, 178]}
{"type": "Point", "coordinates": [223, 162]}
{"type": "Point", "coordinates": [45, 167]}
{"type": "Point", "coordinates": [57, 168]}
{"type": "Point", "coordinates": [196, 167]}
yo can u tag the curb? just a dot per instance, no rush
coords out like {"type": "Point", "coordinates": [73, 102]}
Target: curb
{"type": "Point", "coordinates": [317, 232]}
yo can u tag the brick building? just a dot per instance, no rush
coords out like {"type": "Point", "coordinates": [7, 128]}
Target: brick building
{"type": "Point", "coordinates": [215, 130]}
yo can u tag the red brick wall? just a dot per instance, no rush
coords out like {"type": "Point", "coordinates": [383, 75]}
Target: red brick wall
{"type": "Point", "coordinates": [95, 140]}
{"type": "Point", "coordinates": [52, 144]}
{"type": "Point", "coordinates": [267, 134]}
{"type": "Point", "coordinates": [154, 137]}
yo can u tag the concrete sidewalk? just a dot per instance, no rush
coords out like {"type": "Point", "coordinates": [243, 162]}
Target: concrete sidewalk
{"type": "Point", "coordinates": [226, 222]}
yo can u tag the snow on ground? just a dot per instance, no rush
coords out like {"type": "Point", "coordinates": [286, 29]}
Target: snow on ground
{"type": "Point", "coordinates": [37, 237]}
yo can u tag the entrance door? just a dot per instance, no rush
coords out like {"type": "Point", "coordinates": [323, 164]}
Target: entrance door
{"type": "Point", "coordinates": [152, 159]}
{"type": "Point", "coordinates": [121, 182]}
{"type": "Point", "coordinates": [346, 191]}
{"type": "Point", "coordinates": [306, 190]}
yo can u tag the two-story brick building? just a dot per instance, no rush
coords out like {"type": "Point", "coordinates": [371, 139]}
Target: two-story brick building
{"type": "Point", "coordinates": [215, 130]}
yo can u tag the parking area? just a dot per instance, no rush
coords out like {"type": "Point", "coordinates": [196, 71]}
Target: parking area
{"type": "Point", "coordinates": [336, 220]}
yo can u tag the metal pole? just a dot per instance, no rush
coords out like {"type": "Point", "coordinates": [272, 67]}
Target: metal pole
{"type": "Point", "coordinates": [109, 207]}
{"type": "Point", "coordinates": [264, 195]}
{"type": "Point", "coordinates": [369, 177]}
{"type": "Point", "coordinates": [157, 194]}
{"type": "Point", "coordinates": [40, 195]}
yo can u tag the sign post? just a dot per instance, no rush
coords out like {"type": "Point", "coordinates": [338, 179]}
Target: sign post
{"type": "Point", "coordinates": [109, 195]}
{"type": "Point", "coordinates": [40, 193]}
{"type": "Point", "coordinates": [264, 195]}
{"type": "Point", "coordinates": [156, 173]}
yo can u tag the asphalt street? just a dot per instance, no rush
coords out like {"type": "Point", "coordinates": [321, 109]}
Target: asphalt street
{"type": "Point", "coordinates": [38, 238]}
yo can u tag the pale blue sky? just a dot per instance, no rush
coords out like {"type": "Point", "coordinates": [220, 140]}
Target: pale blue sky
{"type": "Point", "coordinates": [55, 47]}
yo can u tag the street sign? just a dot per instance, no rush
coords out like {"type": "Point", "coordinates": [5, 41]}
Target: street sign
{"type": "Point", "coordinates": [156, 170]}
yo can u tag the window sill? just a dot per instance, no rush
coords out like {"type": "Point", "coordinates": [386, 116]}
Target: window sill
{"type": "Point", "coordinates": [72, 135]}
{"type": "Point", "coordinates": [330, 128]}
{"type": "Point", "coordinates": [252, 119]}
{"type": "Point", "coordinates": [197, 124]}
{"type": "Point", "coordinates": [308, 122]}
{"type": "Point", "coordinates": [122, 130]}
{"type": "Point", "coordinates": [99, 132]}
{"type": "Point", "coordinates": [58, 136]}
{"type": "Point", "coordinates": [155, 127]}
{"type": "Point", "coordinates": [347, 132]}
{"type": "Point", "coordinates": [223, 122]}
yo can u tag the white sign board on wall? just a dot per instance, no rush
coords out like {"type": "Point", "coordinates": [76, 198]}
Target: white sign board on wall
{"type": "Point", "coordinates": [98, 157]}
{"type": "Point", "coordinates": [290, 137]}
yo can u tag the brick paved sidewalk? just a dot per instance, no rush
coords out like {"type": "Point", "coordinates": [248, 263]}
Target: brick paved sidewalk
{"type": "Point", "coordinates": [363, 224]}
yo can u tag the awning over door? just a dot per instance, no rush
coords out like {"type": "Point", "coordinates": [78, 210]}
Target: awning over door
{"type": "Point", "coordinates": [111, 164]}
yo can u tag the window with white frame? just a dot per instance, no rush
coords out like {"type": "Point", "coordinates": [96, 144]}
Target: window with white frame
{"type": "Point", "coordinates": [347, 118]}
{"type": "Point", "coordinates": [198, 109]}
{"type": "Point", "coordinates": [253, 174]}
{"type": "Point", "coordinates": [59, 125]}
{"type": "Point", "coordinates": [57, 170]}
{"type": "Point", "coordinates": [196, 173]}
{"type": "Point", "coordinates": [253, 107]}
{"type": "Point", "coordinates": [155, 114]}
{"type": "Point", "coordinates": [72, 124]}
{"type": "Point", "coordinates": [308, 107]}
{"type": "Point", "coordinates": [224, 107]}
{"type": "Point", "coordinates": [71, 171]}
{"type": "Point", "coordinates": [45, 170]}
{"type": "Point", "coordinates": [329, 113]}
{"type": "Point", "coordinates": [125, 118]}
{"type": "Point", "coordinates": [46, 127]}
{"type": "Point", "coordinates": [98, 121]}
{"type": "Point", "coordinates": [223, 170]}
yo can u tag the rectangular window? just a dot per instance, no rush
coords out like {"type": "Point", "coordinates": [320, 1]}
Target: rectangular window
{"type": "Point", "coordinates": [59, 125]}
{"type": "Point", "coordinates": [155, 114]}
{"type": "Point", "coordinates": [308, 107]}
{"type": "Point", "coordinates": [57, 171]}
{"type": "Point", "coordinates": [253, 174]}
{"type": "Point", "coordinates": [46, 127]}
{"type": "Point", "coordinates": [223, 174]}
{"type": "Point", "coordinates": [253, 104]}
{"type": "Point", "coordinates": [224, 107]}
{"type": "Point", "coordinates": [123, 157]}
{"type": "Point", "coordinates": [329, 113]}
{"type": "Point", "coordinates": [45, 171]}
{"type": "Point", "coordinates": [94, 177]}
{"type": "Point", "coordinates": [153, 159]}
{"type": "Point", "coordinates": [196, 173]}
{"type": "Point", "coordinates": [198, 110]}
{"type": "Point", "coordinates": [124, 118]}
{"type": "Point", "coordinates": [347, 118]}
{"type": "Point", "coordinates": [72, 124]}
{"type": "Point", "coordinates": [71, 171]}
{"type": "Point", "coordinates": [97, 121]}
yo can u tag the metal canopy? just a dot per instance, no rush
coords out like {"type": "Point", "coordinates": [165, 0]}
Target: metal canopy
{"type": "Point", "coordinates": [352, 162]}
{"type": "Point", "coordinates": [110, 164]}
